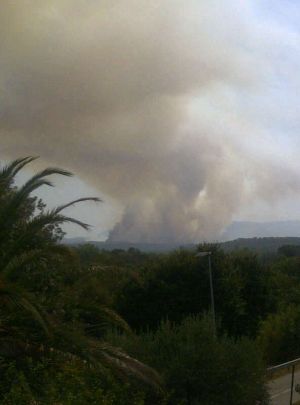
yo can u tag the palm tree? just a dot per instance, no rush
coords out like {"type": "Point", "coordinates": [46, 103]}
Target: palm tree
{"type": "Point", "coordinates": [18, 230]}
{"type": "Point", "coordinates": [26, 238]}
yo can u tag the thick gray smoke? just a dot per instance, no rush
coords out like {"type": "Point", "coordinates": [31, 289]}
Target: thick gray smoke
{"type": "Point", "coordinates": [152, 102]}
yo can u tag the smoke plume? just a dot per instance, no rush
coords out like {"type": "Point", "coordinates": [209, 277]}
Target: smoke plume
{"type": "Point", "coordinates": [158, 104]}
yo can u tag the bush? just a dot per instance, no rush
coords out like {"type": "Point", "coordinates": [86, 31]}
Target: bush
{"type": "Point", "coordinates": [279, 336]}
{"type": "Point", "coordinates": [57, 382]}
{"type": "Point", "coordinates": [197, 367]}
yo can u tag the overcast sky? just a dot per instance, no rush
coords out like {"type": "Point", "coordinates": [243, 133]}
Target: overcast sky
{"type": "Point", "coordinates": [181, 115]}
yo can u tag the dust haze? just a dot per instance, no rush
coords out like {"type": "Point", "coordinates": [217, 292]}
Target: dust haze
{"type": "Point", "coordinates": [154, 103]}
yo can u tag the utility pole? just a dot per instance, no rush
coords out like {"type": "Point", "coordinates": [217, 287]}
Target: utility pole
{"type": "Point", "coordinates": [212, 299]}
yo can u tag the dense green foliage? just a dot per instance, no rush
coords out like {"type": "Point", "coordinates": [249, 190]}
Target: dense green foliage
{"type": "Point", "coordinates": [280, 335]}
{"type": "Point", "coordinates": [79, 325]}
{"type": "Point", "coordinates": [197, 367]}
{"type": "Point", "coordinates": [256, 299]}
{"type": "Point", "coordinates": [177, 284]}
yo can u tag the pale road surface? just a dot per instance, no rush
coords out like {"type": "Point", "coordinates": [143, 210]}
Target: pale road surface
{"type": "Point", "coordinates": [280, 389]}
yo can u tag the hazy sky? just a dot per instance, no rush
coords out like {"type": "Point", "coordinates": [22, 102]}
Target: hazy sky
{"type": "Point", "coordinates": [181, 115]}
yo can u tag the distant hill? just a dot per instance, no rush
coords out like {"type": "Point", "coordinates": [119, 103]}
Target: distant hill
{"type": "Point", "coordinates": [257, 236]}
{"type": "Point", "coordinates": [260, 245]}
{"type": "Point", "coordinates": [74, 241]}
{"type": "Point", "coordinates": [248, 229]}
{"type": "Point", "coordinates": [125, 245]}
{"type": "Point", "coordinates": [144, 247]}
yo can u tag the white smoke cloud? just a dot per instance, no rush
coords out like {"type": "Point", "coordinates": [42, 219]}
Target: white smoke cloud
{"type": "Point", "coordinates": [166, 106]}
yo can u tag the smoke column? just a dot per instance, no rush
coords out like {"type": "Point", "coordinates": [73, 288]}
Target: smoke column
{"type": "Point", "coordinates": [158, 104]}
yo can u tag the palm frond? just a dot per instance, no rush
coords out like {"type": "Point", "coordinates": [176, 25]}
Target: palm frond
{"type": "Point", "coordinates": [49, 171]}
{"type": "Point", "coordinates": [35, 182]}
{"type": "Point", "coordinates": [101, 354]}
{"type": "Point", "coordinates": [116, 359]}
{"type": "Point", "coordinates": [37, 224]}
{"type": "Point", "coordinates": [9, 171]}
{"type": "Point", "coordinates": [62, 207]}
{"type": "Point", "coordinates": [15, 346]}
{"type": "Point", "coordinates": [9, 210]}
{"type": "Point", "coordinates": [111, 318]}
{"type": "Point", "coordinates": [52, 218]}
{"type": "Point", "coordinates": [41, 221]}
{"type": "Point", "coordinates": [18, 262]}
{"type": "Point", "coordinates": [19, 298]}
